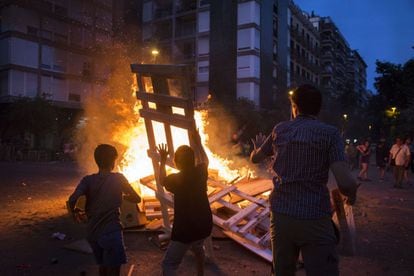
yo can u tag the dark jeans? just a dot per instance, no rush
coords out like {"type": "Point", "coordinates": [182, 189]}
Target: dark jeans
{"type": "Point", "coordinates": [315, 239]}
{"type": "Point", "coordinates": [175, 253]}
{"type": "Point", "coordinates": [109, 249]}
{"type": "Point", "coordinates": [398, 175]}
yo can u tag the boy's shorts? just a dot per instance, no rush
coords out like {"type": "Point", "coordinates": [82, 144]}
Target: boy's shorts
{"type": "Point", "coordinates": [109, 249]}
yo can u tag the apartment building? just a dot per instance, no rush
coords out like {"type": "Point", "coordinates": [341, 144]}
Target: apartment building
{"type": "Point", "coordinates": [228, 43]}
{"type": "Point", "coordinates": [251, 49]}
{"type": "Point", "coordinates": [304, 48]}
{"type": "Point", "coordinates": [357, 70]}
{"type": "Point", "coordinates": [48, 48]}
{"type": "Point", "coordinates": [335, 51]}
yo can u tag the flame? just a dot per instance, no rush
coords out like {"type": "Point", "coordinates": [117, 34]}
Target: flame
{"type": "Point", "coordinates": [135, 163]}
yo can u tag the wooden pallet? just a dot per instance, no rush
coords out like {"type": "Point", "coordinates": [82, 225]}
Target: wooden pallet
{"type": "Point", "coordinates": [243, 216]}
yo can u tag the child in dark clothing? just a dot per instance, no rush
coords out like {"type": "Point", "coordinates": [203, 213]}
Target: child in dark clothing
{"type": "Point", "coordinates": [104, 192]}
{"type": "Point", "coordinates": [192, 214]}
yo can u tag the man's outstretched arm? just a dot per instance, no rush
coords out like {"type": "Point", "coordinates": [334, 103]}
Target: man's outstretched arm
{"type": "Point", "coordinates": [346, 182]}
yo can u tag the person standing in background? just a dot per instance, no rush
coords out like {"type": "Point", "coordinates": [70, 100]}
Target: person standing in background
{"type": "Point", "coordinates": [365, 152]}
{"type": "Point", "coordinates": [399, 158]}
{"type": "Point", "coordinates": [381, 157]}
{"type": "Point", "coordinates": [407, 167]}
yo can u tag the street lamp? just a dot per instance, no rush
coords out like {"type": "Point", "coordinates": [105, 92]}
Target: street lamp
{"type": "Point", "coordinates": [290, 97]}
{"type": "Point", "coordinates": [154, 53]}
{"type": "Point", "coordinates": [345, 117]}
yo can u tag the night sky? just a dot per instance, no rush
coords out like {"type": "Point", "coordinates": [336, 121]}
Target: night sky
{"type": "Point", "coordinates": [378, 29]}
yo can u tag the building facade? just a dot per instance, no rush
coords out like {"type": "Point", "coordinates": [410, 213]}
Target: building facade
{"type": "Point", "coordinates": [304, 48]}
{"type": "Point", "coordinates": [249, 49]}
{"type": "Point", "coordinates": [48, 49]}
{"type": "Point", "coordinates": [357, 70]}
{"type": "Point", "coordinates": [238, 49]}
{"type": "Point", "coordinates": [342, 68]}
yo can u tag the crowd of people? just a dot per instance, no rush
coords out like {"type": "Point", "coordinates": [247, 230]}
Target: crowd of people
{"type": "Point", "coordinates": [398, 157]}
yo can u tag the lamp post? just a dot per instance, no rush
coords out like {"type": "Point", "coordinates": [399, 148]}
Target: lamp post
{"type": "Point", "coordinates": [290, 96]}
{"type": "Point", "coordinates": [345, 120]}
{"type": "Point", "coordinates": [393, 113]}
{"type": "Point", "coordinates": [154, 54]}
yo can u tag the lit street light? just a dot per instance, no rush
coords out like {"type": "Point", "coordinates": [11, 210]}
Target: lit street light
{"type": "Point", "coordinates": [155, 53]}
{"type": "Point", "coordinates": [345, 117]}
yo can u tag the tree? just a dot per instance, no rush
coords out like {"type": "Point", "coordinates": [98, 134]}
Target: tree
{"type": "Point", "coordinates": [395, 87]}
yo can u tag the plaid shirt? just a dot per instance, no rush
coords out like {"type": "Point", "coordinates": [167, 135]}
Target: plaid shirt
{"type": "Point", "coordinates": [303, 150]}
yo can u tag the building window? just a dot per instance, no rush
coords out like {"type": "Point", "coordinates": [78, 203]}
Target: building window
{"type": "Point", "coordinates": [4, 83]}
{"type": "Point", "coordinates": [203, 69]}
{"type": "Point", "coordinates": [204, 3]}
{"type": "Point", "coordinates": [244, 41]}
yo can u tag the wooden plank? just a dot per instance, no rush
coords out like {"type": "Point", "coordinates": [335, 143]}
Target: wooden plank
{"type": "Point", "coordinates": [229, 205]}
{"type": "Point", "coordinates": [221, 193]}
{"type": "Point", "coordinates": [173, 119]}
{"type": "Point", "coordinates": [254, 222]}
{"type": "Point", "coordinates": [163, 99]}
{"type": "Point", "coordinates": [265, 239]}
{"type": "Point", "coordinates": [255, 187]}
{"type": "Point", "coordinates": [147, 179]}
{"type": "Point", "coordinates": [241, 215]}
{"type": "Point", "coordinates": [166, 70]}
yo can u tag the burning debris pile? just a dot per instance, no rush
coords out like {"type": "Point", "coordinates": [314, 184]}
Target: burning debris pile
{"type": "Point", "coordinates": [239, 204]}
{"type": "Point", "coordinates": [239, 201]}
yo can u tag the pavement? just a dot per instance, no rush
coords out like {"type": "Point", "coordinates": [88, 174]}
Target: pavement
{"type": "Point", "coordinates": [32, 204]}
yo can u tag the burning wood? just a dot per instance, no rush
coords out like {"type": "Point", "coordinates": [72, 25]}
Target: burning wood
{"type": "Point", "coordinates": [240, 207]}
{"type": "Point", "coordinates": [239, 204]}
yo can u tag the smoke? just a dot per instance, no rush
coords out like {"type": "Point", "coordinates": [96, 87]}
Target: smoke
{"type": "Point", "coordinates": [229, 137]}
{"type": "Point", "coordinates": [109, 109]}
{"type": "Point", "coordinates": [110, 116]}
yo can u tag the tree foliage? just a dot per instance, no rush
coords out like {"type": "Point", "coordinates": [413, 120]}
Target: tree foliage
{"type": "Point", "coordinates": [395, 87]}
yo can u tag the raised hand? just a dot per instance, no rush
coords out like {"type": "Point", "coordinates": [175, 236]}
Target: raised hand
{"type": "Point", "coordinates": [163, 152]}
{"type": "Point", "coordinates": [258, 141]}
